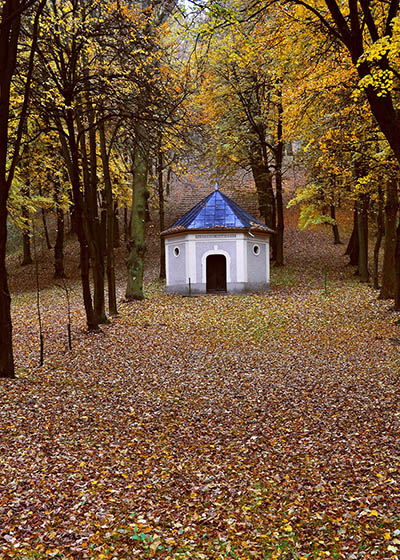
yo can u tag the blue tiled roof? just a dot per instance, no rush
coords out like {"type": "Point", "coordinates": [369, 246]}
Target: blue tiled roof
{"type": "Point", "coordinates": [216, 210]}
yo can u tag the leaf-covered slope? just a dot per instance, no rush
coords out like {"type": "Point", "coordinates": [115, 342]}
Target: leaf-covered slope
{"type": "Point", "coordinates": [257, 426]}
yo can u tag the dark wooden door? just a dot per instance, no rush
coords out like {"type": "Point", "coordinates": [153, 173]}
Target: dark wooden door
{"type": "Point", "coordinates": [216, 273]}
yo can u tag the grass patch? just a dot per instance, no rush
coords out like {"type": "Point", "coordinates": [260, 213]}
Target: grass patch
{"type": "Point", "coordinates": [283, 276]}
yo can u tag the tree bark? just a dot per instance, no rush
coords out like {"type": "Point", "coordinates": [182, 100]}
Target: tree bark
{"type": "Point", "coordinates": [59, 246]}
{"type": "Point", "coordinates": [10, 26]}
{"type": "Point", "coordinates": [71, 156]}
{"type": "Point", "coordinates": [266, 199]}
{"type": "Point", "coordinates": [136, 244]}
{"type": "Point", "coordinates": [388, 267]}
{"type": "Point", "coordinates": [73, 225]}
{"type": "Point", "coordinates": [363, 237]}
{"type": "Point", "coordinates": [161, 212]}
{"type": "Point", "coordinates": [335, 229]}
{"type": "Point", "coordinates": [26, 237]}
{"type": "Point", "coordinates": [110, 218]}
{"type": "Point", "coordinates": [280, 226]}
{"type": "Point", "coordinates": [97, 245]}
{"type": "Point", "coordinates": [353, 247]}
{"type": "Point", "coordinates": [126, 227]}
{"type": "Point", "coordinates": [116, 242]}
{"type": "Point", "coordinates": [46, 230]}
{"type": "Point", "coordinates": [147, 209]}
{"type": "Point", "coordinates": [26, 246]}
{"type": "Point", "coordinates": [397, 270]}
{"type": "Point", "coordinates": [6, 352]}
{"type": "Point", "coordinates": [378, 241]}
{"type": "Point", "coordinates": [168, 185]}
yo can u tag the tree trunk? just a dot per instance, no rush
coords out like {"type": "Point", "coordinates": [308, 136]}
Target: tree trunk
{"type": "Point", "coordinates": [363, 237]}
{"type": "Point", "coordinates": [353, 246]}
{"type": "Point", "coordinates": [97, 255]}
{"type": "Point", "coordinates": [136, 244]}
{"type": "Point", "coordinates": [10, 27]}
{"type": "Point", "coordinates": [45, 229]}
{"type": "Point", "coordinates": [382, 106]}
{"type": "Point", "coordinates": [110, 218]}
{"type": "Point", "coordinates": [147, 209]}
{"type": "Point", "coordinates": [103, 223]}
{"type": "Point", "coordinates": [9, 35]}
{"type": "Point", "coordinates": [266, 199]}
{"type": "Point", "coordinates": [26, 237]}
{"type": "Point", "coordinates": [126, 227]}
{"type": "Point", "coordinates": [73, 225]}
{"type": "Point", "coordinates": [161, 212]}
{"type": "Point", "coordinates": [91, 215]}
{"type": "Point", "coordinates": [26, 240]}
{"type": "Point", "coordinates": [378, 241]}
{"type": "Point", "coordinates": [71, 156]}
{"type": "Point", "coordinates": [278, 180]}
{"type": "Point", "coordinates": [116, 242]}
{"type": "Point", "coordinates": [168, 185]}
{"type": "Point", "coordinates": [335, 229]}
{"type": "Point", "coordinates": [26, 245]}
{"type": "Point", "coordinates": [6, 352]}
{"type": "Point", "coordinates": [397, 270]}
{"type": "Point", "coordinates": [59, 246]}
{"type": "Point", "coordinates": [388, 268]}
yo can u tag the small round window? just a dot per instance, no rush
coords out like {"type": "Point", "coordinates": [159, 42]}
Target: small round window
{"type": "Point", "coordinates": [176, 251]}
{"type": "Point", "coordinates": [256, 249]}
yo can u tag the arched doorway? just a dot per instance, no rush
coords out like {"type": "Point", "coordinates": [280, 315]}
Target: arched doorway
{"type": "Point", "coordinates": [216, 273]}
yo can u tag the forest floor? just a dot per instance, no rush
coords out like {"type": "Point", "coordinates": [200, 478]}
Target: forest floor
{"type": "Point", "coordinates": [242, 427]}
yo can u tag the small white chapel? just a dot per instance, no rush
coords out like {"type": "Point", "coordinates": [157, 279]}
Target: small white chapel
{"type": "Point", "coordinates": [217, 247]}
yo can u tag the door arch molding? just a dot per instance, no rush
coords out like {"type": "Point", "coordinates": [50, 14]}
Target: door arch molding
{"type": "Point", "coordinates": [204, 264]}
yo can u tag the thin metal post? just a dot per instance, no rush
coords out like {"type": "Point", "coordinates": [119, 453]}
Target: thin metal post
{"type": "Point", "coordinates": [190, 287]}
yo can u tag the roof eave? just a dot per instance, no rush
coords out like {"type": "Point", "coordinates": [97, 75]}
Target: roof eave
{"type": "Point", "coordinates": [184, 231]}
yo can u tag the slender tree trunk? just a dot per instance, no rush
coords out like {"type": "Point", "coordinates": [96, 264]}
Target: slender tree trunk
{"type": "Point", "coordinates": [97, 257]}
{"type": "Point", "coordinates": [73, 225]}
{"type": "Point", "coordinates": [116, 242]}
{"type": "Point", "coordinates": [9, 35]}
{"type": "Point", "coordinates": [161, 212]}
{"type": "Point", "coordinates": [126, 227]}
{"type": "Point", "coordinates": [168, 185]}
{"type": "Point", "coordinates": [388, 268]}
{"type": "Point", "coordinates": [103, 223]}
{"type": "Point", "coordinates": [10, 27]}
{"type": "Point", "coordinates": [71, 156]}
{"type": "Point", "coordinates": [335, 229]}
{"type": "Point", "coordinates": [279, 261]}
{"type": "Point", "coordinates": [266, 199]}
{"type": "Point", "coordinates": [363, 237]}
{"type": "Point", "coordinates": [353, 246]}
{"type": "Point", "coordinates": [26, 234]}
{"type": "Point", "coordinates": [147, 208]}
{"type": "Point", "coordinates": [110, 218]}
{"type": "Point", "coordinates": [136, 244]}
{"type": "Point", "coordinates": [26, 245]}
{"type": "Point", "coordinates": [26, 240]}
{"type": "Point", "coordinates": [379, 236]}
{"type": "Point", "coordinates": [59, 246]}
{"type": "Point", "coordinates": [397, 270]}
{"type": "Point", "coordinates": [46, 230]}
{"type": "Point", "coordinates": [92, 223]}
{"type": "Point", "coordinates": [6, 352]}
